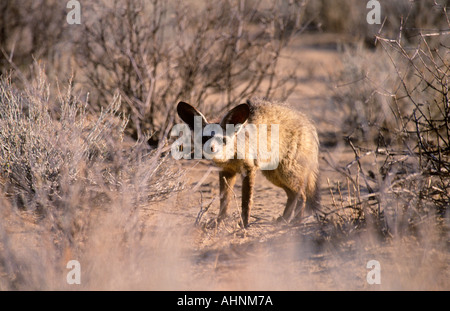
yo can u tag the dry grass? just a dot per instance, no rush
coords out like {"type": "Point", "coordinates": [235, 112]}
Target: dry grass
{"type": "Point", "coordinates": [63, 172]}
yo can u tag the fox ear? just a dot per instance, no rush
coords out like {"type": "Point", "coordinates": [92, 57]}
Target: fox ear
{"type": "Point", "coordinates": [237, 115]}
{"type": "Point", "coordinates": [187, 114]}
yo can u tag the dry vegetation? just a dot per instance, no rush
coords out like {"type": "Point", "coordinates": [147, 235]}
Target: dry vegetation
{"type": "Point", "coordinates": [85, 173]}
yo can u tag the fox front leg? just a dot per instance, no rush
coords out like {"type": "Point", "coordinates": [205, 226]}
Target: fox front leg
{"type": "Point", "coordinates": [227, 181]}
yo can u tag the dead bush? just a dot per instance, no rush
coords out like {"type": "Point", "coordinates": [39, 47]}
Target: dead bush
{"type": "Point", "coordinates": [63, 171]}
{"type": "Point", "coordinates": [156, 53]}
{"type": "Point", "coordinates": [400, 173]}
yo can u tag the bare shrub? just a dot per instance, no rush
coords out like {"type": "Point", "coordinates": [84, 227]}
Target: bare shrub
{"type": "Point", "coordinates": [363, 89]}
{"type": "Point", "coordinates": [63, 171]}
{"type": "Point", "coordinates": [157, 53]}
{"type": "Point", "coordinates": [425, 128]}
{"type": "Point", "coordinates": [400, 174]}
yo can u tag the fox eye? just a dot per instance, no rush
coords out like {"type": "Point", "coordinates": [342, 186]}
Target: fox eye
{"type": "Point", "coordinates": [213, 133]}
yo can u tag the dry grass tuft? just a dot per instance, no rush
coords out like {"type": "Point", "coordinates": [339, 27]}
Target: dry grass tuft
{"type": "Point", "coordinates": [63, 171]}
